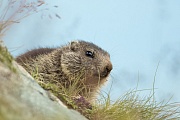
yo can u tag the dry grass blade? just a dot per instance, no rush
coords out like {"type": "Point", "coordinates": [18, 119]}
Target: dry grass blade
{"type": "Point", "coordinates": [12, 11]}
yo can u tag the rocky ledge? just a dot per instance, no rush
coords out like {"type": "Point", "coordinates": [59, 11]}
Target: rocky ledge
{"type": "Point", "coordinates": [21, 98]}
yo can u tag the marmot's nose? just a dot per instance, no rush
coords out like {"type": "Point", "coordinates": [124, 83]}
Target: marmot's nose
{"type": "Point", "coordinates": [107, 69]}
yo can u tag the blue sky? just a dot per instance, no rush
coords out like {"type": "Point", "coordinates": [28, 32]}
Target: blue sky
{"type": "Point", "coordinates": [137, 34]}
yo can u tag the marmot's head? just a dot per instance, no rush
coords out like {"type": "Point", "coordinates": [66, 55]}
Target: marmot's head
{"type": "Point", "coordinates": [85, 59]}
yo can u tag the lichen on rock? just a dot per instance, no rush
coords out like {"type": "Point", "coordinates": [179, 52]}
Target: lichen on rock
{"type": "Point", "coordinates": [5, 57]}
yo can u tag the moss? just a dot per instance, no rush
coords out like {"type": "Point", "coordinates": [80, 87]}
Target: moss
{"type": "Point", "coordinates": [6, 58]}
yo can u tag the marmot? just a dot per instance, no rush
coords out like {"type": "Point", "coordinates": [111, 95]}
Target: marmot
{"type": "Point", "coordinates": [80, 60]}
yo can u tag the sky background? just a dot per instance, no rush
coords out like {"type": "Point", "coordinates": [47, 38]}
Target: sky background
{"type": "Point", "coordinates": [137, 34]}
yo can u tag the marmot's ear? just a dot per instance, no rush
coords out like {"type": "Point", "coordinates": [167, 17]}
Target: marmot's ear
{"type": "Point", "coordinates": [74, 45]}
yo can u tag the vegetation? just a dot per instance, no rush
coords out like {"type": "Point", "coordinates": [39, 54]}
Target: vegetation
{"type": "Point", "coordinates": [12, 11]}
{"type": "Point", "coordinates": [6, 58]}
{"type": "Point", "coordinates": [128, 107]}
{"type": "Point", "coordinates": [131, 107]}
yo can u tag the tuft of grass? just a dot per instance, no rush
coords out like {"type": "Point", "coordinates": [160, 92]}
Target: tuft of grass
{"type": "Point", "coordinates": [131, 107]}
{"type": "Point", "coordinates": [68, 93]}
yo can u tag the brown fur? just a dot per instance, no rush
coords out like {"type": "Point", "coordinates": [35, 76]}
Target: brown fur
{"type": "Point", "coordinates": [33, 54]}
{"type": "Point", "coordinates": [63, 65]}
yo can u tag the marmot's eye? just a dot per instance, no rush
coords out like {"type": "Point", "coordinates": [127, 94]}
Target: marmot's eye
{"type": "Point", "coordinates": [89, 54]}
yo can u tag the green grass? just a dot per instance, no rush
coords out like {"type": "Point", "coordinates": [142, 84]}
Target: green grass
{"type": "Point", "coordinates": [129, 106]}
{"type": "Point", "coordinates": [68, 95]}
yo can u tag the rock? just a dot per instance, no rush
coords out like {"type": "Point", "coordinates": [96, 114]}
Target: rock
{"type": "Point", "coordinates": [21, 98]}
